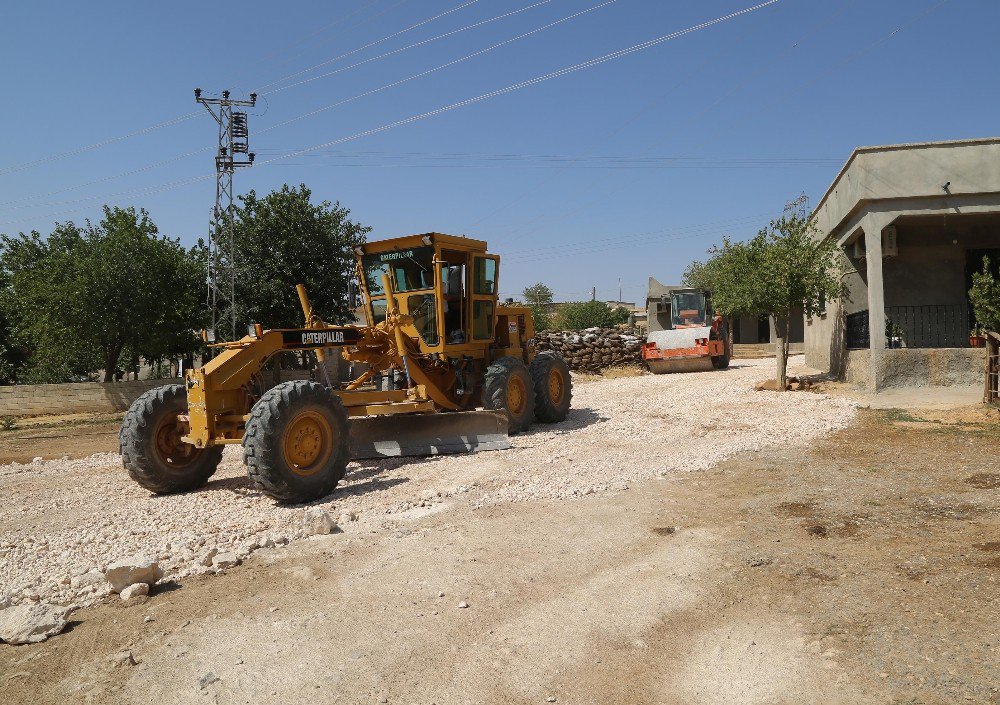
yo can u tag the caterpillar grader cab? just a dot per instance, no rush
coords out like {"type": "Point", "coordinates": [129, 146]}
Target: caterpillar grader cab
{"type": "Point", "coordinates": [684, 334]}
{"type": "Point", "coordinates": [447, 368]}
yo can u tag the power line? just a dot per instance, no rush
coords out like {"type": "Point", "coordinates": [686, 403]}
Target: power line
{"type": "Point", "coordinates": [448, 64]}
{"type": "Point", "coordinates": [366, 46]}
{"type": "Point", "coordinates": [172, 121]}
{"type": "Point", "coordinates": [408, 47]}
{"type": "Point", "coordinates": [469, 101]}
{"type": "Point", "coordinates": [148, 167]}
{"type": "Point", "coordinates": [694, 118]}
{"type": "Point", "coordinates": [96, 145]}
{"type": "Point", "coordinates": [530, 82]}
{"type": "Point", "coordinates": [350, 99]}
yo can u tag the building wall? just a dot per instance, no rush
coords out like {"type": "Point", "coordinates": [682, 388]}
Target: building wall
{"type": "Point", "coordinates": [930, 367]}
{"type": "Point", "coordinates": [750, 329]}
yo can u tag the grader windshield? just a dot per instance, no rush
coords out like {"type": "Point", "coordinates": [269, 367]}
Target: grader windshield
{"type": "Point", "coordinates": [409, 270]}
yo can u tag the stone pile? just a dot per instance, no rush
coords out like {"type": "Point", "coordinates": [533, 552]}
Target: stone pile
{"type": "Point", "coordinates": [593, 349]}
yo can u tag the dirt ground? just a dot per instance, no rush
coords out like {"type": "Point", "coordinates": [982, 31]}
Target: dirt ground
{"type": "Point", "coordinates": [72, 435]}
{"type": "Point", "coordinates": [863, 569]}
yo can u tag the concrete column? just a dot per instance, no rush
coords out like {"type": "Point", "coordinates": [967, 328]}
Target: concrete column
{"type": "Point", "coordinates": [872, 224]}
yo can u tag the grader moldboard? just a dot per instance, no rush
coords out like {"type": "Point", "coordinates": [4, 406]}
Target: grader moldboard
{"type": "Point", "coordinates": [437, 346]}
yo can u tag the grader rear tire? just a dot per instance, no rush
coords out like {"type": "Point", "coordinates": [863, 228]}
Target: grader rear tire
{"type": "Point", "coordinates": [507, 387]}
{"type": "Point", "coordinates": [553, 387]}
{"type": "Point", "coordinates": [296, 442]}
{"type": "Point", "coordinates": [151, 449]}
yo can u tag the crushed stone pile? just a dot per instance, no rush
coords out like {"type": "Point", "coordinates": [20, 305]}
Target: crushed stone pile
{"type": "Point", "coordinates": [593, 349]}
{"type": "Point", "coordinates": [65, 523]}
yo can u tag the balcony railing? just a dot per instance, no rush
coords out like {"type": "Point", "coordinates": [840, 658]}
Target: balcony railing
{"type": "Point", "coordinates": [934, 326]}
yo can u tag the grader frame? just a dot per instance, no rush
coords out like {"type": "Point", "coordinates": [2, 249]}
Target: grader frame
{"type": "Point", "coordinates": [436, 339]}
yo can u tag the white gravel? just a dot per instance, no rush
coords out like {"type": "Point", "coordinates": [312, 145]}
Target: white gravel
{"type": "Point", "coordinates": [61, 519]}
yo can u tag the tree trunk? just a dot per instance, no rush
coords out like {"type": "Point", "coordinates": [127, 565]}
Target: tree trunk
{"type": "Point", "coordinates": [781, 350]}
{"type": "Point", "coordinates": [111, 355]}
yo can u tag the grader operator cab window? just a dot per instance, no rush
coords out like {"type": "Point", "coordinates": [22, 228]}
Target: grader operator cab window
{"type": "Point", "coordinates": [486, 276]}
{"type": "Point", "coordinates": [482, 320]}
{"type": "Point", "coordinates": [424, 312]}
{"type": "Point", "coordinates": [410, 270]}
{"type": "Point", "coordinates": [453, 299]}
{"type": "Point", "coordinates": [689, 309]}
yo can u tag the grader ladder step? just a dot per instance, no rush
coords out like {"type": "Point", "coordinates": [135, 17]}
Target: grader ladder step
{"type": "Point", "coordinates": [428, 434]}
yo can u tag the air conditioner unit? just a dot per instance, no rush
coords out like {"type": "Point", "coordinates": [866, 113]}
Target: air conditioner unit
{"type": "Point", "coordinates": [890, 247]}
{"type": "Point", "coordinates": [859, 248]}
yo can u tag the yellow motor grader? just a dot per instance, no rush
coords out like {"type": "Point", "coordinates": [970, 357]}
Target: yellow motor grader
{"type": "Point", "coordinates": [437, 346]}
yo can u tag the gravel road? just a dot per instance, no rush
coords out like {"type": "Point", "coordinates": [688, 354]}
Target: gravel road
{"type": "Point", "coordinates": [63, 518]}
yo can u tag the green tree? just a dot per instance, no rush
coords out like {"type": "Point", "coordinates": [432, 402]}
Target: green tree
{"type": "Point", "coordinates": [541, 318]}
{"type": "Point", "coordinates": [537, 295]}
{"type": "Point", "coordinates": [284, 239]}
{"type": "Point", "coordinates": [782, 267]}
{"type": "Point", "coordinates": [82, 296]}
{"type": "Point", "coordinates": [699, 275]}
{"type": "Point", "coordinates": [985, 297]}
{"type": "Point", "coordinates": [586, 314]}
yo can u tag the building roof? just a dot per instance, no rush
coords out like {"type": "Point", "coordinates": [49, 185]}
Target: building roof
{"type": "Point", "coordinates": [905, 171]}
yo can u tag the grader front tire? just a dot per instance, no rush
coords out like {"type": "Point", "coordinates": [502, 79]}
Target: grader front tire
{"type": "Point", "coordinates": [507, 387]}
{"type": "Point", "coordinates": [151, 449]}
{"type": "Point", "coordinates": [553, 387]}
{"type": "Point", "coordinates": [296, 442]}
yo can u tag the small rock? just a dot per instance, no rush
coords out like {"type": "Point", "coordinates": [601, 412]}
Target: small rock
{"type": "Point", "coordinates": [441, 593]}
{"type": "Point", "coordinates": [148, 618]}
{"type": "Point", "coordinates": [463, 605]}
{"type": "Point", "coordinates": [91, 577]}
{"type": "Point", "coordinates": [206, 560]}
{"type": "Point", "coordinates": [135, 590]}
{"type": "Point", "coordinates": [132, 570]}
{"type": "Point", "coordinates": [316, 521]}
{"type": "Point", "coordinates": [207, 680]}
{"type": "Point", "coordinates": [30, 624]}
{"type": "Point", "coordinates": [225, 560]}
{"type": "Point", "coordinates": [124, 657]}
{"type": "Point", "coordinates": [347, 518]}
{"type": "Point", "coordinates": [550, 699]}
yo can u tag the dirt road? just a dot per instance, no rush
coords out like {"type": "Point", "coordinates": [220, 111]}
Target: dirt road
{"type": "Point", "coordinates": [862, 568]}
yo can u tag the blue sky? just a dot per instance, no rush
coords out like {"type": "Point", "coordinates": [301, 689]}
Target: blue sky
{"type": "Point", "coordinates": [625, 169]}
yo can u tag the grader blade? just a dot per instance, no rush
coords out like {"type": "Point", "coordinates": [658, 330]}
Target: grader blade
{"type": "Point", "coordinates": [428, 434]}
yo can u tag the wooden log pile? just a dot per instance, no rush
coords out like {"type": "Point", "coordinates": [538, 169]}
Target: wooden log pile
{"type": "Point", "coordinates": [593, 349]}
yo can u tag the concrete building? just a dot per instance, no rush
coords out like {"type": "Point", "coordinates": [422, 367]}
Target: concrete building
{"type": "Point", "coordinates": [912, 222]}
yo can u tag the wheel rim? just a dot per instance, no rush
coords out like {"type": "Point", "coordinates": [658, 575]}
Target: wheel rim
{"type": "Point", "coordinates": [174, 452]}
{"type": "Point", "coordinates": [516, 397]}
{"type": "Point", "coordinates": [308, 443]}
{"type": "Point", "coordinates": [557, 386]}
